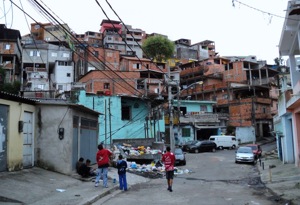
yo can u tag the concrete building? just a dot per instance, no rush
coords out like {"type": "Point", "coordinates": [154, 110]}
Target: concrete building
{"type": "Point", "coordinates": [64, 132]}
{"type": "Point", "coordinates": [194, 121]}
{"type": "Point", "coordinates": [48, 69]}
{"type": "Point", "coordinates": [10, 54]}
{"type": "Point", "coordinates": [288, 119]}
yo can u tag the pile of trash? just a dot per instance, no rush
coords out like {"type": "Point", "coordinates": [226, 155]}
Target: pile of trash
{"type": "Point", "coordinates": [153, 170]}
{"type": "Point", "coordinates": [137, 151]}
{"type": "Point", "coordinates": [150, 159]}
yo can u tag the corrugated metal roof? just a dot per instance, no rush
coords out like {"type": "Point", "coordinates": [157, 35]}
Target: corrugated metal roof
{"type": "Point", "coordinates": [17, 98]}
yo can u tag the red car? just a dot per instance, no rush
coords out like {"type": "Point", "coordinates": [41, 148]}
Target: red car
{"type": "Point", "coordinates": [256, 149]}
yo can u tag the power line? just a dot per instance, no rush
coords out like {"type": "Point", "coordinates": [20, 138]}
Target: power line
{"type": "Point", "coordinates": [133, 39]}
{"type": "Point", "coordinates": [60, 41]}
{"type": "Point", "coordinates": [75, 39]}
{"type": "Point", "coordinates": [259, 10]}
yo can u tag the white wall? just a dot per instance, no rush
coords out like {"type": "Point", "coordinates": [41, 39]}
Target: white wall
{"type": "Point", "coordinates": [61, 76]}
{"type": "Point", "coordinates": [245, 134]}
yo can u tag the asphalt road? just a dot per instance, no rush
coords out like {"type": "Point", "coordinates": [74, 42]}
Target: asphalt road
{"type": "Point", "coordinates": [215, 179]}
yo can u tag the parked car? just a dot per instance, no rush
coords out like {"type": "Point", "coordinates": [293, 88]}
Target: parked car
{"type": "Point", "coordinates": [256, 149]}
{"type": "Point", "coordinates": [244, 154]}
{"type": "Point", "coordinates": [180, 156]}
{"type": "Point", "coordinates": [184, 147]}
{"type": "Point", "coordinates": [202, 146]}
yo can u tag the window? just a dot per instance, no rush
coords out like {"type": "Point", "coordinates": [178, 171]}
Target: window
{"type": "Point", "coordinates": [7, 46]}
{"type": "Point", "coordinates": [106, 86]}
{"type": "Point", "coordinates": [186, 132]}
{"type": "Point", "coordinates": [64, 63]}
{"type": "Point", "coordinates": [47, 39]}
{"type": "Point", "coordinates": [66, 55]}
{"type": "Point", "coordinates": [68, 74]}
{"type": "Point", "coordinates": [109, 54]}
{"type": "Point", "coordinates": [136, 65]}
{"type": "Point", "coordinates": [41, 86]}
{"type": "Point", "coordinates": [225, 96]}
{"type": "Point", "coordinates": [126, 113]}
{"type": "Point", "coordinates": [35, 53]}
{"type": "Point", "coordinates": [53, 54]}
{"type": "Point", "coordinates": [264, 110]}
{"type": "Point", "coordinates": [60, 87]}
{"type": "Point", "coordinates": [203, 108]}
{"type": "Point", "coordinates": [96, 53]}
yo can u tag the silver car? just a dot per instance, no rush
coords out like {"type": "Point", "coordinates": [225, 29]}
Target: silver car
{"type": "Point", "coordinates": [244, 154]}
{"type": "Point", "coordinates": [180, 156]}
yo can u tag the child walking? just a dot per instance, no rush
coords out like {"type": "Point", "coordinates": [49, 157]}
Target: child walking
{"type": "Point", "coordinates": [122, 166]}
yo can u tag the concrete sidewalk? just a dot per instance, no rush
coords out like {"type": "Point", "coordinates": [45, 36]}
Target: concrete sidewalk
{"type": "Point", "coordinates": [41, 187]}
{"type": "Point", "coordinates": [282, 179]}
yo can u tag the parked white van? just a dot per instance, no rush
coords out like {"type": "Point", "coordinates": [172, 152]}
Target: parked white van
{"type": "Point", "coordinates": [224, 141]}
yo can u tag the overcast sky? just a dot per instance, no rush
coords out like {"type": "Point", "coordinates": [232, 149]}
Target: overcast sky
{"type": "Point", "coordinates": [252, 27]}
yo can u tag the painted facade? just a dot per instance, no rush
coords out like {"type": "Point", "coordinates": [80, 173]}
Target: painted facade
{"type": "Point", "coordinates": [124, 117]}
{"type": "Point", "coordinates": [16, 132]}
{"type": "Point", "coordinates": [287, 130]}
{"type": "Point", "coordinates": [196, 121]}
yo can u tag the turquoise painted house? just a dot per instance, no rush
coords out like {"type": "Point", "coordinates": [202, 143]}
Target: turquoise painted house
{"type": "Point", "coordinates": [196, 121]}
{"type": "Point", "coordinates": [124, 117]}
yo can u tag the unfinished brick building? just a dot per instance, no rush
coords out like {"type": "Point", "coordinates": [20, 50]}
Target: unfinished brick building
{"type": "Point", "coordinates": [241, 87]}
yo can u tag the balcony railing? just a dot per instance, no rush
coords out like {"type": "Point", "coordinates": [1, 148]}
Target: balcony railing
{"type": "Point", "coordinates": [200, 118]}
{"type": "Point", "coordinates": [40, 94]}
{"type": "Point", "coordinates": [262, 81]}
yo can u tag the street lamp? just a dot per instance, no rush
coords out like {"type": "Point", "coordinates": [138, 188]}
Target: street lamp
{"type": "Point", "coordinates": [191, 85]}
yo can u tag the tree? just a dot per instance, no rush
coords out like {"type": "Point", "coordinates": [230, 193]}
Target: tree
{"type": "Point", "coordinates": [158, 48]}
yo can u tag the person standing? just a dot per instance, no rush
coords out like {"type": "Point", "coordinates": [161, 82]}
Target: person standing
{"type": "Point", "coordinates": [169, 160]}
{"type": "Point", "coordinates": [122, 166]}
{"type": "Point", "coordinates": [102, 157]}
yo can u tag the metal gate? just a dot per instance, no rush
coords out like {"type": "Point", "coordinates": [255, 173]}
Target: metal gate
{"type": "Point", "coordinates": [88, 139]}
{"type": "Point", "coordinates": [3, 137]}
{"type": "Point", "coordinates": [84, 139]}
{"type": "Point", "coordinates": [28, 140]}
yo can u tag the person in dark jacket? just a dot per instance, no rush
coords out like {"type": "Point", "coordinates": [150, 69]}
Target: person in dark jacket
{"type": "Point", "coordinates": [79, 164]}
{"type": "Point", "coordinates": [122, 166]}
{"type": "Point", "coordinates": [85, 170]}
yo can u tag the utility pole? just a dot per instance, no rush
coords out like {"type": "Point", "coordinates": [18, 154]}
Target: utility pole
{"type": "Point", "coordinates": [105, 119]}
{"type": "Point", "coordinates": [110, 136]}
{"type": "Point", "coordinates": [170, 98]}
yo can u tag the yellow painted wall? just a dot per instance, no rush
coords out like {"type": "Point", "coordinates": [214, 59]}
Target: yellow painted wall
{"type": "Point", "coordinates": [14, 138]}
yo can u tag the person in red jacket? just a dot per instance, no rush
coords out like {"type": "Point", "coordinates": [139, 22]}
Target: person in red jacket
{"type": "Point", "coordinates": [102, 158]}
{"type": "Point", "coordinates": [169, 160]}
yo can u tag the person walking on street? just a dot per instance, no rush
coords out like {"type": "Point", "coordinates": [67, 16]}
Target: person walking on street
{"type": "Point", "coordinates": [169, 160]}
{"type": "Point", "coordinates": [122, 166]}
{"type": "Point", "coordinates": [102, 157]}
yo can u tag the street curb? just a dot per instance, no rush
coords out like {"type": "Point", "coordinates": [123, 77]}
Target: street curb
{"type": "Point", "coordinates": [101, 195]}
